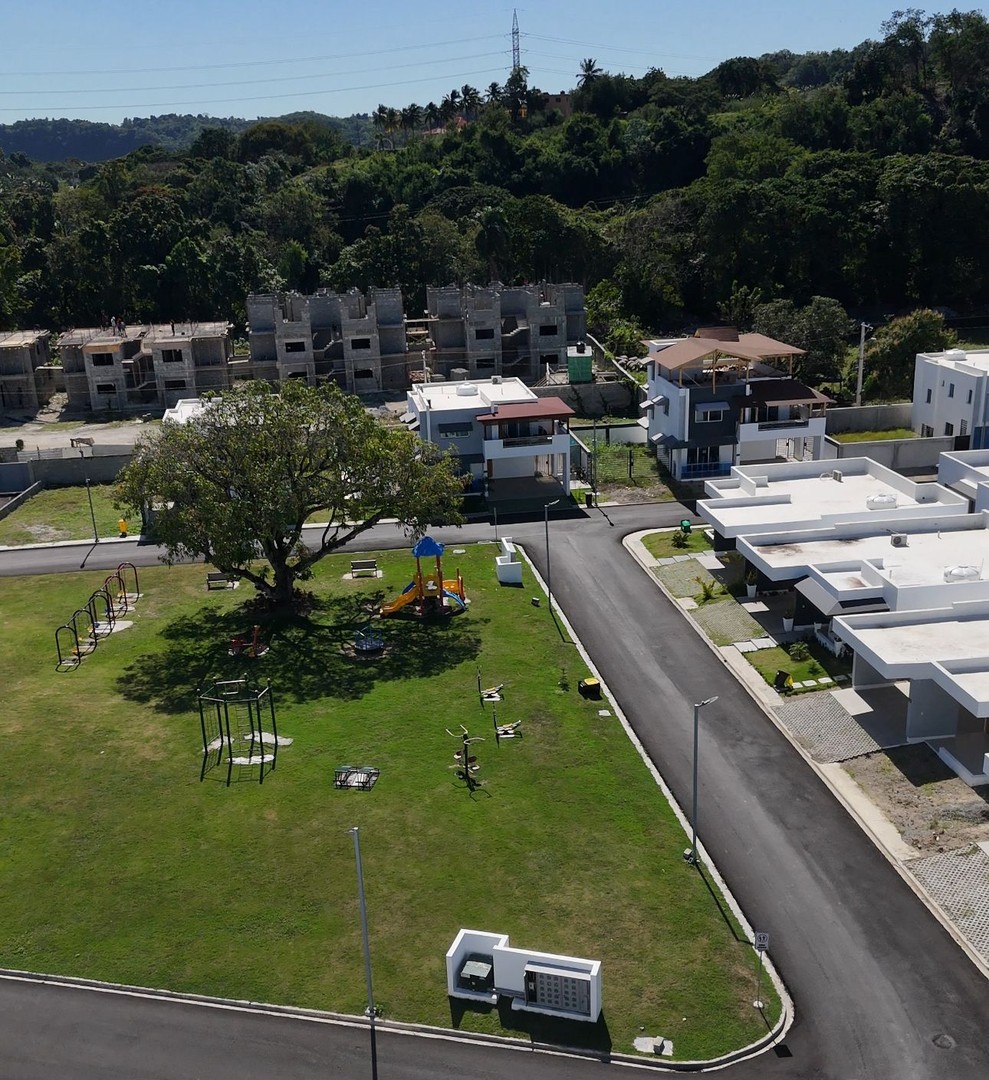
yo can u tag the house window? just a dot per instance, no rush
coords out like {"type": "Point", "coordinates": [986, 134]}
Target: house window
{"type": "Point", "coordinates": [949, 429]}
{"type": "Point", "coordinates": [171, 356]}
{"type": "Point", "coordinates": [295, 346]}
{"type": "Point", "coordinates": [968, 399]}
{"type": "Point", "coordinates": [951, 389]}
{"type": "Point", "coordinates": [926, 431]}
{"type": "Point", "coordinates": [363, 373]}
{"type": "Point", "coordinates": [105, 388]}
{"type": "Point", "coordinates": [928, 399]}
{"type": "Point", "coordinates": [484, 334]}
{"type": "Point", "coordinates": [548, 330]}
{"type": "Point", "coordinates": [703, 455]}
{"type": "Point", "coordinates": [361, 343]}
{"type": "Point", "coordinates": [175, 384]}
{"type": "Point", "coordinates": [709, 414]}
{"type": "Point", "coordinates": [963, 428]}
{"type": "Point", "coordinates": [455, 431]}
{"type": "Point", "coordinates": [102, 359]}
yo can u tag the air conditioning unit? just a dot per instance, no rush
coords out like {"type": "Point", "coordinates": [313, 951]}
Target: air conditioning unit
{"type": "Point", "coordinates": [898, 539]}
{"type": "Point", "coordinates": [836, 475]}
{"type": "Point", "coordinates": [495, 380]}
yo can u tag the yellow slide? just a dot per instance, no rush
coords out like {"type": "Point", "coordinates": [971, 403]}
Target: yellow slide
{"type": "Point", "coordinates": [407, 597]}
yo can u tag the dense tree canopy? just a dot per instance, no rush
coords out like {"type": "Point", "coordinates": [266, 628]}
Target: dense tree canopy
{"type": "Point", "coordinates": [859, 175]}
{"type": "Point", "coordinates": [236, 484]}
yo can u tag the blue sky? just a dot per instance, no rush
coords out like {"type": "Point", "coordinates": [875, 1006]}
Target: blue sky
{"type": "Point", "coordinates": [109, 59]}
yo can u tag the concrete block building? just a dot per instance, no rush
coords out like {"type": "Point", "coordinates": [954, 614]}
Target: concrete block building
{"type": "Point", "coordinates": [516, 331]}
{"type": "Point", "coordinates": [22, 385]}
{"type": "Point", "coordinates": [142, 367]}
{"type": "Point", "coordinates": [353, 339]}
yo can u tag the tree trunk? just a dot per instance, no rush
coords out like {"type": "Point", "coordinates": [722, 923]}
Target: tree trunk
{"type": "Point", "coordinates": [283, 585]}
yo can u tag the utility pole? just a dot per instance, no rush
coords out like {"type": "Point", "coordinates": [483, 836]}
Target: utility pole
{"type": "Point", "coordinates": [858, 384]}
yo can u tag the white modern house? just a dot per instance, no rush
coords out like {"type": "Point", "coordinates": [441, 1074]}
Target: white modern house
{"type": "Point", "coordinates": [722, 398]}
{"type": "Point", "coordinates": [794, 495]}
{"type": "Point", "coordinates": [514, 445]}
{"type": "Point", "coordinates": [951, 396]}
{"type": "Point", "coordinates": [967, 472]}
{"type": "Point", "coordinates": [944, 653]}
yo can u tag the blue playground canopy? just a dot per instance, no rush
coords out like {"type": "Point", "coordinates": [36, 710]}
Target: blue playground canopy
{"type": "Point", "coordinates": [427, 546]}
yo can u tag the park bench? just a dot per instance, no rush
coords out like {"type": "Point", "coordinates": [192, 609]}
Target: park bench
{"type": "Point", "coordinates": [217, 579]}
{"type": "Point", "coordinates": [360, 567]}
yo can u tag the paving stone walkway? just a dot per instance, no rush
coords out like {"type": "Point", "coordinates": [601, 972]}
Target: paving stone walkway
{"type": "Point", "coordinates": [825, 728]}
{"type": "Point", "coordinates": [726, 622]}
{"type": "Point", "coordinates": [959, 882]}
{"type": "Point", "coordinates": [681, 577]}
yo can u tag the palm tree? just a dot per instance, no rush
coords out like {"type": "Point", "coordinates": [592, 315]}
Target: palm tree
{"type": "Point", "coordinates": [432, 115]}
{"type": "Point", "coordinates": [470, 101]}
{"type": "Point", "coordinates": [589, 71]}
{"type": "Point", "coordinates": [415, 116]}
{"type": "Point", "coordinates": [494, 93]}
{"type": "Point", "coordinates": [379, 119]}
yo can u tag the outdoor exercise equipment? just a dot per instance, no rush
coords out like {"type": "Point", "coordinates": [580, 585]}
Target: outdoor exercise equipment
{"type": "Point", "coordinates": [488, 694]}
{"type": "Point", "coordinates": [506, 731]}
{"type": "Point", "coordinates": [252, 647]}
{"type": "Point", "coordinates": [99, 618]}
{"type": "Point", "coordinates": [465, 763]}
{"type": "Point", "coordinates": [238, 717]}
{"type": "Point", "coordinates": [429, 592]}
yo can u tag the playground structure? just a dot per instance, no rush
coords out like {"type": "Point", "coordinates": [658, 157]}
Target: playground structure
{"type": "Point", "coordinates": [430, 594]}
{"type": "Point", "coordinates": [250, 646]}
{"type": "Point", "coordinates": [99, 618]}
{"type": "Point", "coordinates": [239, 717]}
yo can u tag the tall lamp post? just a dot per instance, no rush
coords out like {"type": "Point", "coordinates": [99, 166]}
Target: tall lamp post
{"type": "Point", "coordinates": [92, 513]}
{"type": "Point", "coordinates": [371, 1011]}
{"type": "Point", "coordinates": [690, 855]}
{"type": "Point", "coordinates": [549, 572]}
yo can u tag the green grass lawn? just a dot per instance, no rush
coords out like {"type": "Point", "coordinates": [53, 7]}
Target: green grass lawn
{"type": "Point", "coordinates": [660, 544]}
{"type": "Point", "coordinates": [820, 662]}
{"type": "Point", "coordinates": [62, 514]}
{"type": "Point", "coordinates": [119, 864]}
{"type": "Point", "coordinates": [874, 436]}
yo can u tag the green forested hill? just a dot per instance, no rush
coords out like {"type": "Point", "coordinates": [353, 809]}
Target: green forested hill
{"type": "Point", "coordinates": [862, 176]}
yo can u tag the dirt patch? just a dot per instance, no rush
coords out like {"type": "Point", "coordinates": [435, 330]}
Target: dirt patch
{"type": "Point", "coordinates": [634, 493]}
{"type": "Point", "coordinates": [45, 534]}
{"type": "Point", "coordinates": [932, 808]}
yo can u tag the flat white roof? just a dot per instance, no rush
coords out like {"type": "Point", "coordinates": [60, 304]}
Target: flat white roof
{"type": "Point", "coordinates": [976, 361]}
{"type": "Point", "coordinates": [184, 410]}
{"type": "Point", "coordinates": [928, 553]}
{"type": "Point", "coordinates": [471, 393]}
{"type": "Point", "coordinates": [757, 498]}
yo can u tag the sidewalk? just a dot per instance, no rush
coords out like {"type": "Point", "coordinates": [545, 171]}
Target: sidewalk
{"type": "Point", "coordinates": [825, 733]}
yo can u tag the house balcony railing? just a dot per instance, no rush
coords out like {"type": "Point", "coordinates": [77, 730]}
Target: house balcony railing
{"type": "Point", "coordinates": [700, 472]}
{"type": "Point", "coordinates": [775, 425]}
{"type": "Point", "coordinates": [528, 440]}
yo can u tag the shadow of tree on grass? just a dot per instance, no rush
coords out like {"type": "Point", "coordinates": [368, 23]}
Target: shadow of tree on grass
{"type": "Point", "coordinates": [309, 655]}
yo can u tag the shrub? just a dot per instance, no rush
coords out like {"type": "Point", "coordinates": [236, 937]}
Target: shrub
{"type": "Point", "coordinates": [800, 650]}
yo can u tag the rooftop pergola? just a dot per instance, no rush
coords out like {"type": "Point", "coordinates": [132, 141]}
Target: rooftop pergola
{"type": "Point", "coordinates": [726, 353]}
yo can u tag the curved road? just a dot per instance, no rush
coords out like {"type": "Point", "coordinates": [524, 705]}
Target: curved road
{"type": "Point", "coordinates": [875, 979]}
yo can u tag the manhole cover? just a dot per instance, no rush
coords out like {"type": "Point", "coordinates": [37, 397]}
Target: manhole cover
{"type": "Point", "coordinates": [943, 1042]}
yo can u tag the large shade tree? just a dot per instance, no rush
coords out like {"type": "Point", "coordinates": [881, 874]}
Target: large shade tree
{"type": "Point", "coordinates": [236, 484]}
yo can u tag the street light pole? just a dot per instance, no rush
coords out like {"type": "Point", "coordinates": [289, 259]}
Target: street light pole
{"type": "Point", "coordinates": [363, 905]}
{"type": "Point", "coordinates": [690, 855]}
{"type": "Point", "coordinates": [549, 572]}
{"type": "Point", "coordinates": [92, 513]}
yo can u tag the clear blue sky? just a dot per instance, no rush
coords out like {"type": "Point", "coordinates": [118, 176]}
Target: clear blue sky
{"type": "Point", "coordinates": [107, 59]}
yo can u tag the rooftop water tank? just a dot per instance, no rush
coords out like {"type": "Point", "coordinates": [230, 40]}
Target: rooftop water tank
{"type": "Point", "coordinates": [962, 573]}
{"type": "Point", "coordinates": [882, 500]}
{"type": "Point", "coordinates": [957, 355]}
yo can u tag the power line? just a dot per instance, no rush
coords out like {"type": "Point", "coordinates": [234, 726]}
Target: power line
{"type": "Point", "coordinates": [256, 97]}
{"type": "Point", "coordinates": [259, 63]}
{"type": "Point", "coordinates": [254, 82]}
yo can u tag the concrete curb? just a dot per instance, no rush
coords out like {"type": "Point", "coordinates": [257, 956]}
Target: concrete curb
{"type": "Point", "coordinates": [633, 545]}
{"type": "Point", "coordinates": [785, 1019]}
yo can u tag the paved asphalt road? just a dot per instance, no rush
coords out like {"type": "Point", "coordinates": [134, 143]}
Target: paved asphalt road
{"type": "Point", "coordinates": [874, 977]}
